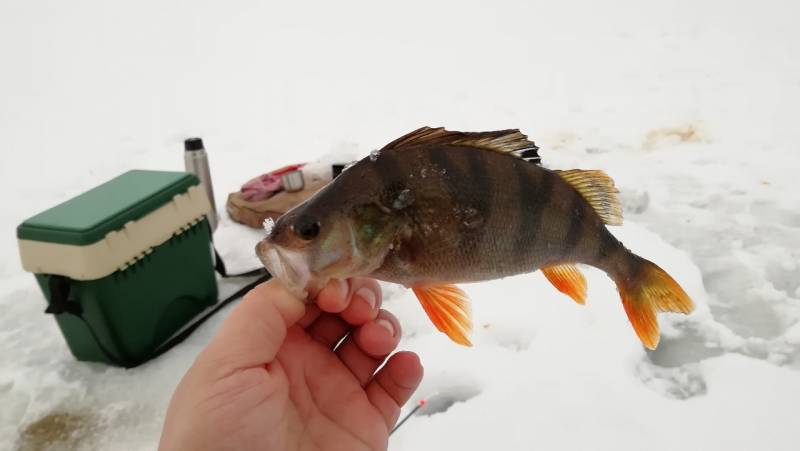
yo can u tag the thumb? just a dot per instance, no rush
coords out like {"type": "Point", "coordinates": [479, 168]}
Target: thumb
{"type": "Point", "coordinates": [254, 332]}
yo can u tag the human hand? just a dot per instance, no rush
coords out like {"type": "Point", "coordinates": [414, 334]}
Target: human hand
{"type": "Point", "coordinates": [274, 378]}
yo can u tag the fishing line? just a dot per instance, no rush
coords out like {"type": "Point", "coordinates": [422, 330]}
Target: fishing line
{"type": "Point", "coordinates": [419, 405]}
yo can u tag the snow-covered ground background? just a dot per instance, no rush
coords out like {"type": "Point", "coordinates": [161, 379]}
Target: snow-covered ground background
{"type": "Point", "coordinates": [692, 106]}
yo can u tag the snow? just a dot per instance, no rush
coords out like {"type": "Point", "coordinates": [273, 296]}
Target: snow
{"type": "Point", "coordinates": [268, 225]}
{"type": "Point", "coordinates": [691, 106]}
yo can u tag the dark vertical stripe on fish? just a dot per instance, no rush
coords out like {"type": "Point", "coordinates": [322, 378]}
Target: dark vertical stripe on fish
{"type": "Point", "coordinates": [452, 181]}
{"type": "Point", "coordinates": [577, 213]}
{"type": "Point", "coordinates": [541, 198]}
{"type": "Point", "coordinates": [442, 160]}
{"type": "Point", "coordinates": [479, 179]}
{"type": "Point", "coordinates": [391, 170]}
{"type": "Point", "coordinates": [483, 200]}
{"type": "Point", "coordinates": [531, 184]}
{"type": "Point", "coordinates": [392, 177]}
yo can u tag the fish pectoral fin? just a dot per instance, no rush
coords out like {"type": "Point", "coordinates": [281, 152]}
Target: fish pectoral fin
{"type": "Point", "coordinates": [568, 279]}
{"type": "Point", "coordinates": [448, 309]}
{"type": "Point", "coordinates": [598, 189]}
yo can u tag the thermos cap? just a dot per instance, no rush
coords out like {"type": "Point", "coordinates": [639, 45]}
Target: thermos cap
{"type": "Point", "coordinates": [193, 144]}
{"type": "Point", "coordinates": [293, 181]}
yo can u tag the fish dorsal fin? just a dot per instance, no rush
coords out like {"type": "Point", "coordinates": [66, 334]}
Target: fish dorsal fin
{"type": "Point", "coordinates": [512, 141]}
{"type": "Point", "coordinates": [598, 189]}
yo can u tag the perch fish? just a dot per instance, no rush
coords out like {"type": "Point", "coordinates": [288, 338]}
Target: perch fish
{"type": "Point", "coordinates": [436, 208]}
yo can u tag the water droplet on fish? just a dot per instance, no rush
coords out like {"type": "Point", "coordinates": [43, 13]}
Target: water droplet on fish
{"type": "Point", "coordinates": [422, 172]}
{"type": "Point", "coordinates": [374, 154]}
{"type": "Point", "coordinates": [403, 200]}
{"type": "Point", "coordinates": [269, 226]}
{"type": "Point", "coordinates": [471, 219]}
{"type": "Point", "coordinates": [444, 171]}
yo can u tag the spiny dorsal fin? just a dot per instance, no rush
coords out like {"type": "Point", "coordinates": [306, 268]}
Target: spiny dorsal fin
{"type": "Point", "coordinates": [598, 189]}
{"type": "Point", "coordinates": [504, 141]}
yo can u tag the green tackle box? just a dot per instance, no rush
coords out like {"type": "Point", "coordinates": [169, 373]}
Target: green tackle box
{"type": "Point", "coordinates": [124, 265]}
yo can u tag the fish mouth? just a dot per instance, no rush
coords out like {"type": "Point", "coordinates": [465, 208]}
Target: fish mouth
{"type": "Point", "coordinates": [288, 266]}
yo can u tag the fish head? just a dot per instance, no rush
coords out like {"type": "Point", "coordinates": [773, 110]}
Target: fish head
{"type": "Point", "coordinates": [330, 235]}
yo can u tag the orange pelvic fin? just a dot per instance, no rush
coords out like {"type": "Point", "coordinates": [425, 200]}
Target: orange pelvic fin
{"type": "Point", "coordinates": [568, 279]}
{"type": "Point", "coordinates": [448, 308]}
{"type": "Point", "coordinates": [651, 291]}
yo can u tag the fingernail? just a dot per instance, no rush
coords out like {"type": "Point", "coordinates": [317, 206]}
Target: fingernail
{"type": "Point", "coordinates": [341, 288]}
{"type": "Point", "coordinates": [386, 324]}
{"type": "Point", "coordinates": [368, 296]}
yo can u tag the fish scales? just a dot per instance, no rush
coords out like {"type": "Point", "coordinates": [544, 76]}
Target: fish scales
{"type": "Point", "coordinates": [522, 227]}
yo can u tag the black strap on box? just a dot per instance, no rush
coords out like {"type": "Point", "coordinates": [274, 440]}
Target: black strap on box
{"type": "Point", "coordinates": [61, 302]}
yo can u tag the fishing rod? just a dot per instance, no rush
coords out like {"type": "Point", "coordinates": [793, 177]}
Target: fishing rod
{"type": "Point", "coordinates": [419, 405]}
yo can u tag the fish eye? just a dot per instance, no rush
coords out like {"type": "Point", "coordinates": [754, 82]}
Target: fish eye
{"type": "Point", "coordinates": [306, 228]}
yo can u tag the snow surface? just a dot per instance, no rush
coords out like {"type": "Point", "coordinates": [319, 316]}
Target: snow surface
{"type": "Point", "coordinates": [691, 106]}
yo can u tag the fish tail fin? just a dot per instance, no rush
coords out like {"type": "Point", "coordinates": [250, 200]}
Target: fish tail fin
{"type": "Point", "coordinates": [645, 290]}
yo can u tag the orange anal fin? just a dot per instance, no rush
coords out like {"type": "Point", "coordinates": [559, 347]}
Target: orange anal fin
{"type": "Point", "coordinates": [568, 279]}
{"type": "Point", "coordinates": [449, 310]}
